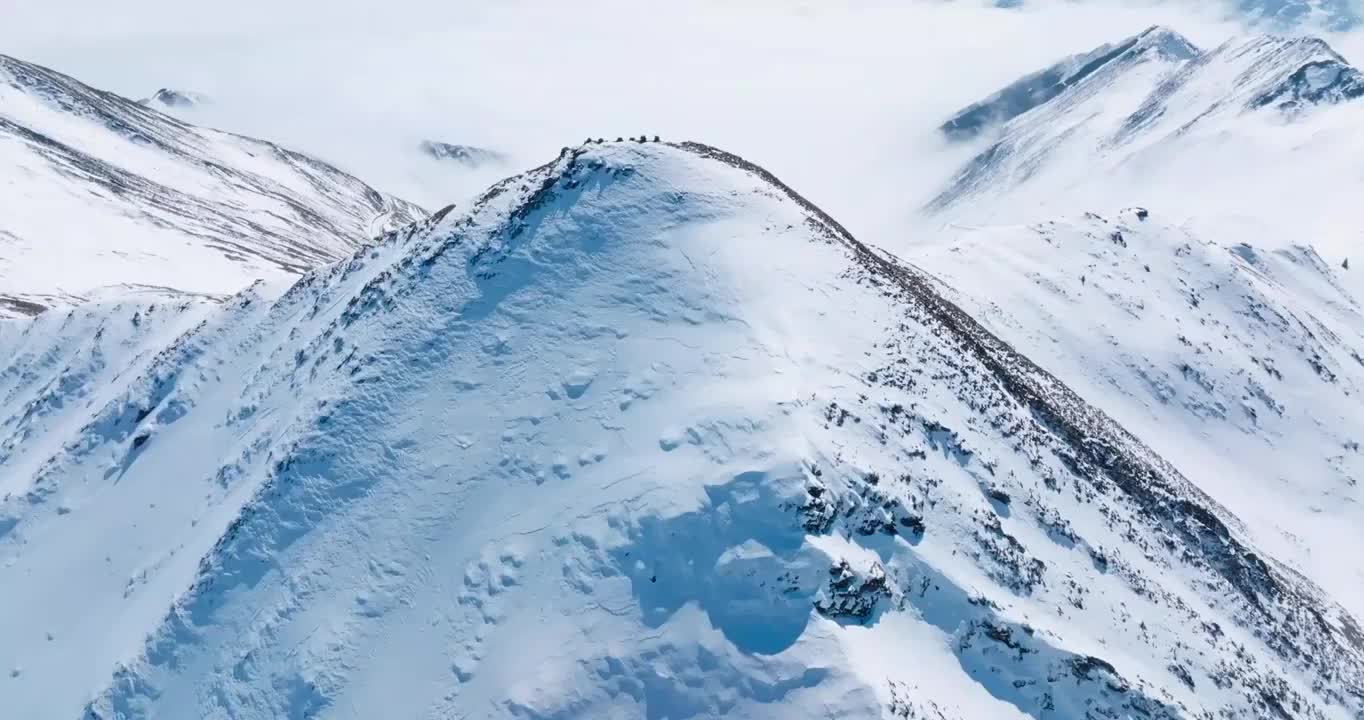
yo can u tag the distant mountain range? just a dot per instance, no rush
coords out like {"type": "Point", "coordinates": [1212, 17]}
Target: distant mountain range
{"type": "Point", "coordinates": [1076, 120]}
{"type": "Point", "coordinates": [104, 191]}
{"type": "Point", "coordinates": [467, 155]}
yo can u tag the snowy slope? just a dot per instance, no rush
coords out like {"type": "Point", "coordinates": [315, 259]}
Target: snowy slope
{"type": "Point", "coordinates": [643, 433]}
{"type": "Point", "coordinates": [1138, 107]}
{"type": "Point", "coordinates": [1243, 366]}
{"type": "Point", "coordinates": [100, 191]}
{"type": "Point", "coordinates": [1156, 45]}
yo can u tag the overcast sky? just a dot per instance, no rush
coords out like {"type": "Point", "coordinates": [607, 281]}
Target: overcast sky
{"type": "Point", "coordinates": [839, 98]}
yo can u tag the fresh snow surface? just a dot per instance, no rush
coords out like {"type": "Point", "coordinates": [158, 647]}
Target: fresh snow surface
{"type": "Point", "coordinates": [641, 434]}
{"type": "Point", "coordinates": [99, 191]}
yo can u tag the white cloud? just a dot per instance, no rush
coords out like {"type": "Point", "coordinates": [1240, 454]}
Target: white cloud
{"type": "Point", "coordinates": [838, 98]}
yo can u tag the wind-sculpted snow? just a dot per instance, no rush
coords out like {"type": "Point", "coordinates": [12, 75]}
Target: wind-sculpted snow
{"type": "Point", "coordinates": [643, 433]}
{"type": "Point", "coordinates": [107, 192]}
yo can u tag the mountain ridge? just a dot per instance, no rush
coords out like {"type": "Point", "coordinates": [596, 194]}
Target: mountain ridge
{"type": "Point", "coordinates": [842, 472]}
{"type": "Point", "coordinates": [173, 204]}
{"type": "Point", "coordinates": [1133, 104]}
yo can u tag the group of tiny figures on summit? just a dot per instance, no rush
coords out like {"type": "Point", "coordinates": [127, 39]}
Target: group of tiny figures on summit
{"type": "Point", "coordinates": [641, 138]}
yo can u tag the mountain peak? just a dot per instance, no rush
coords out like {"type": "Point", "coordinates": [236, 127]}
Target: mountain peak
{"type": "Point", "coordinates": [1297, 72]}
{"type": "Point", "coordinates": [1105, 107]}
{"type": "Point", "coordinates": [168, 98]}
{"type": "Point", "coordinates": [1167, 41]}
{"type": "Point", "coordinates": [1030, 91]}
{"type": "Point", "coordinates": [468, 155]}
{"type": "Point", "coordinates": [646, 388]}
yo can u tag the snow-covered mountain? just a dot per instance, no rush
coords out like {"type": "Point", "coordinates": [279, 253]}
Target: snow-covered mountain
{"type": "Point", "coordinates": [169, 99]}
{"type": "Point", "coordinates": [642, 433]}
{"type": "Point", "coordinates": [466, 155]}
{"type": "Point", "coordinates": [102, 191]}
{"type": "Point", "coordinates": [1329, 14]}
{"type": "Point", "coordinates": [1138, 106]}
{"type": "Point", "coordinates": [1155, 45]}
{"type": "Point", "coordinates": [1243, 366]}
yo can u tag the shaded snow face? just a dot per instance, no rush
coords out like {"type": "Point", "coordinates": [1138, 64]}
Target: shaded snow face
{"type": "Point", "coordinates": [644, 433]}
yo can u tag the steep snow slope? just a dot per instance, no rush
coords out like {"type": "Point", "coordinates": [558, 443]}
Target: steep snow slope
{"type": "Point", "coordinates": [1137, 108]}
{"type": "Point", "coordinates": [1242, 366]}
{"type": "Point", "coordinates": [642, 434]}
{"type": "Point", "coordinates": [99, 190]}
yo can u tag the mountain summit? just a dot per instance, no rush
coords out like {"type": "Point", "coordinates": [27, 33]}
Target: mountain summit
{"type": "Point", "coordinates": [644, 433]}
{"type": "Point", "coordinates": [168, 99]}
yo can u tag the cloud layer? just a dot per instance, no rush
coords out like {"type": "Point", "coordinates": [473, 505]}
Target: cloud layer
{"type": "Point", "coordinates": [838, 98]}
